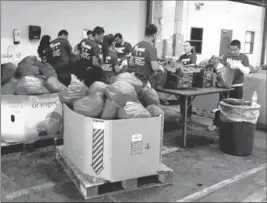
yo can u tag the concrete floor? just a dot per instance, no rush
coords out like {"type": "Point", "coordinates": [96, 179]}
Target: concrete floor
{"type": "Point", "coordinates": [37, 177]}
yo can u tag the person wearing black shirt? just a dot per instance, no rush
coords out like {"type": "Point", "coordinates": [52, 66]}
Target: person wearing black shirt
{"type": "Point", "coordinates": [110, 64]}
{"type": "Point", "coordinates": [44, 50]}
{"type": "Point", "coordinates": [238, 62]}
{"type": "Point", "coordinates": [144, 57]}
{"type": "Point", "coordinates": [89, 36]}
{"type": "Point", "coordinates": [189, 58]}
{"type": "Point", "coordinates": [90, 57]}
{"type": "Point", "coordinates": [123, 48]}
{"type": "Point", "coordinates": [62, 54]}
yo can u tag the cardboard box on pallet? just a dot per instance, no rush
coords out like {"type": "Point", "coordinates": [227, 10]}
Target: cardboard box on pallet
{"type": "Point", "coordinates": [20, 115]}
{"type": "Point", "coordinates": [113, 150]}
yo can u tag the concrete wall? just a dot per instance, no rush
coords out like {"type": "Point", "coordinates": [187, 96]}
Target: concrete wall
{"type": "Point", "coordinates": [216, 15]}
{"type": "Point", "coordinates": [127, 17]}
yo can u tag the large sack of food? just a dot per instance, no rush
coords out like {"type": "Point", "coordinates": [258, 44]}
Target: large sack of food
{"type": "Point", "coordinates": [76, 90]}
{"type": "Point", "coordinates": [8, 71]}
{"type": "Point", "coordinates": [154, 110]}
{"type": "Point", "coordinates": [203, 63]}
{"type": "Point", "coordinates": [27, 70]}
{"type": "Point", "coordinates": [9, 87]}
{"type": "Point", "coordinates": [131, 79]}
{"type": "Point", "coordinates": [90, 106]}
{"type": "Point", "coordinates": [28, 67]}
{"type": "Point", "coordinates": [159, 80]}
{"type": "Point", "coordinates": [121, 92]}
{"type": "Point", "coordinates": [53, 85]}
{"type": "Point", "coordinates": [97, 87]}
{"type": "Point", "coordinates": [46, 69]}
{"type": "Point", "coordinates": [149, 96]}
{"type": "Point", "coordinates": [225, 77]}
{"type": "Point", "coordinates": [30, 85]}
{"type": "Point", "coordinates": [110, 110]}
{"type": "Point", "coordinates": [133, 110]}
{"type": "Point", "coordinates": [51, 125]}
{"type": "Point", "coordinates": [31, 60]}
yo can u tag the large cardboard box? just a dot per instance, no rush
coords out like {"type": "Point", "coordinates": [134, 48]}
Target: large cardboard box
{"type": "Point", "coordinates": [20, 115]}
{"type": "Point", "coordinates": [113, 150]}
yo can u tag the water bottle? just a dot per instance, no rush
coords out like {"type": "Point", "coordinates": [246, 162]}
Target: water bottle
{"type": "Point", "coordinates": [254, 99]}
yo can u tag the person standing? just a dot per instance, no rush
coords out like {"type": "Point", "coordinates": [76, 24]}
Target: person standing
{"type": "Point", "coordinates": [90, 59]}
{"type": "Point", "coordinates": [189, 58]}
{"type": "Point", "coordinates": [123, 48]}
{"type": "Point", "coordinates": [144, 56]}
{"type": "Point", "coordinates": [239, 62]}
{"type": "Point", "coordinates": [44, 50]}
{"type": "Point", "coordinates": [89, 34]}
{"type": "Point", "coordinates": [62, 53]}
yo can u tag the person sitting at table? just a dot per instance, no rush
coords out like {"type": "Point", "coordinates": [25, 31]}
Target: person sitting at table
{"type": "Point", "coordinates": [189, 58]}
{"type": "Point", "coordinates": [240, 64]}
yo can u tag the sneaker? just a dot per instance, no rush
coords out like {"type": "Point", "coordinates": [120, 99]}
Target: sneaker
{"type": "Point", "coordinates": [213, 128]}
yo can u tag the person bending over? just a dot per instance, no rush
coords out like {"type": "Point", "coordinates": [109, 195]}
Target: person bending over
{"type": "Point", "coordinates": [144, 56]}
{"type": "Point", "coordinates": [123, 48]}
{"type": "Point", "coordinates": [240, 64]}
{"type": "Point", "coordinates": [110, 64]}
{"type": "Point", "coordinates": [62, 53]}
{"type": "Point", "coordinates": [90, 60]}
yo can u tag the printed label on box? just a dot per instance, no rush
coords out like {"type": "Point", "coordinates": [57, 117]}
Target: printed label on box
{"type": "Point", "coordinates": [137, 144]}
{"type": "Point", "coordinates": [98, 125]}
{"type": "Point", "coordinates": [14, 107]}
{"type": "Point", "coordinates": [98, 146]}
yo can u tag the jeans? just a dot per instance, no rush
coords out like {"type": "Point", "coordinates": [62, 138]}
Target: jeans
{"type": "Point", "coordinates": [64, 78]}
{"type": "Point", "coordinates": [237, 93]}
{"type": "Point", "coordinates": [63, 73]}
{"type": "Point", "coordinates": [92, 75]}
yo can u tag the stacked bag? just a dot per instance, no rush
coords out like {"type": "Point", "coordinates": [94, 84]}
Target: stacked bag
{"type": "Point", "coordinates": [33, 77]}
{"type": "Point", "coordinates": [30, 77]}
{"type": "Point", "coordinates": [126, 98]}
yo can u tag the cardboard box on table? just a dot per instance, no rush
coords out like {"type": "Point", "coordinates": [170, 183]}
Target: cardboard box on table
{"type": "Point", "coordinates": [113, 150]}
{"type": "Point", "coordinates": [21, 113]}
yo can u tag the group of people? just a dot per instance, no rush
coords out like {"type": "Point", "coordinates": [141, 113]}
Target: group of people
{"type": "Point", "coordinates": [95, 58]}
{"type": "Point", "coordinates": [101, 57]}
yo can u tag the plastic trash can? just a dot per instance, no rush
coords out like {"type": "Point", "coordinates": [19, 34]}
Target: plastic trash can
{"type": "Point", "coordinates": [237, 128]}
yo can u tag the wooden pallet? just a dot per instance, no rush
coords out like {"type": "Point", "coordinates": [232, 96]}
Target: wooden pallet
{"type": "Point", "coordinates": [30, 146]}
{"type": "Point", "coordinates": [91, 187]}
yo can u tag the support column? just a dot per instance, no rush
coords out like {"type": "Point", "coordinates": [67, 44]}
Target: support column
{"type": "Point", "coordinates": [157, 8]}
{"type": "Point", "coordinates": [178, 28]}
{"type": "Point", "coordinates": [264, 40]}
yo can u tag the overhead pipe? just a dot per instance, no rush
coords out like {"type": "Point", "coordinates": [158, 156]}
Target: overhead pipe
{"type": "Point", "coordinates": [148, 12]}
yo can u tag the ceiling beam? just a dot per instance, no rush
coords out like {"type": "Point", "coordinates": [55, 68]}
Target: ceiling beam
{"type": "Point", "coordinates": [261, 3]}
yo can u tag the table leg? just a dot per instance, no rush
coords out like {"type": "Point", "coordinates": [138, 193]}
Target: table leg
{"type": "Point", "coordinates": [190, 103]}
{"type": "Point", "coordinates": [185, 121]}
